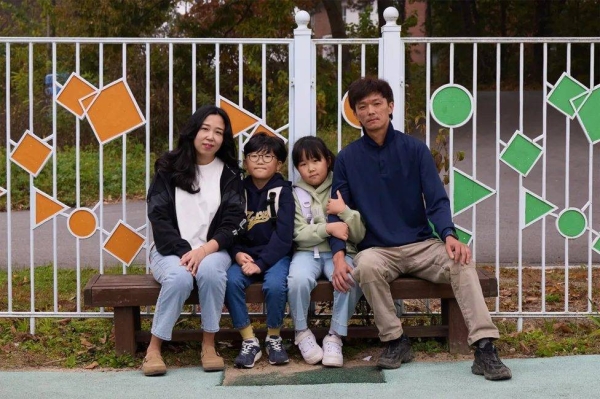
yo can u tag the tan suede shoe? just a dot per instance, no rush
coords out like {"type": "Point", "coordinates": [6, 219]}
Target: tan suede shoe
{"type": "Point", "coordinates": [154, 364]}
{"type": "Point", "coordinates": [211, 361]}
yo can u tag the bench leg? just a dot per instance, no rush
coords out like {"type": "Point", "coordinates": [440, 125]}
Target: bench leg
{"type": "Point", "coordinates": [126, 320]}
{"type": "Point", "coordinates": [457, 328]}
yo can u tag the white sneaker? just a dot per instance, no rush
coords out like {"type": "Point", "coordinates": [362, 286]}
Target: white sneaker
{"type": "Point", "coordinates": [311, 351]}
{"type": "Point", "coordinates": [332, 348]}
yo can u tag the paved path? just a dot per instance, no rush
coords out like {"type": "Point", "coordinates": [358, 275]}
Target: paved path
{"type": "Point", "coordinates": [486, 213]}
{"type": "Point", "coordinates": [558, 377]}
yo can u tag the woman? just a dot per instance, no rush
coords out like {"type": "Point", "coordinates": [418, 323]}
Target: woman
{"type": "Point", "coordinates": [196, 208]}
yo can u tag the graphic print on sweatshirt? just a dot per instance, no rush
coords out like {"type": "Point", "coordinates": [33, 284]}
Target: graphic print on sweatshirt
{"type": "Point", "coordinates": [255, 218]}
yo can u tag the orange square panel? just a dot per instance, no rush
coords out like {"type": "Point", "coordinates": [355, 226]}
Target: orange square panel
{"type": "Point", "coordinates": [73, 90]}
{"type": "Point", "coordinates": [31, 153]}
{"type": "Point", "coordinates": [124, 243]}
{"type": "Point", "coordinates": [113, 112]}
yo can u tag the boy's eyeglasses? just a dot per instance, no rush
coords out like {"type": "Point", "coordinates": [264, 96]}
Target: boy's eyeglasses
{"type": "Point", "coordinates": [267, 158]}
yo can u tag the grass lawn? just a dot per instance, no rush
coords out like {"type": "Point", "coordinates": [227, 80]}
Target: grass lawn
{"type": "Point", "coordinates": [89, 343]}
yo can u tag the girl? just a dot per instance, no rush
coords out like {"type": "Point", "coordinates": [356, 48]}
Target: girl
{"type": "Point", "coordinates": [196, 208]}
{"type": "Point", "coordinates": [313, 257]}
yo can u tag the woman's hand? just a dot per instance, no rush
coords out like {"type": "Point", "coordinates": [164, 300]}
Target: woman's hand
{"type": "Point", "coordinates": [191, 260]}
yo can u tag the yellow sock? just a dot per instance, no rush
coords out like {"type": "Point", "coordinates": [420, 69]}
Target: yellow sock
{"type": "Point", "coordinates": [273, 331]}
{"type": "Point", "coordinates": [247, 332]}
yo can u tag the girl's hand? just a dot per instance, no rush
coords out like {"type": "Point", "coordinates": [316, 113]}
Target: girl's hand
{"type": "Point", "coordinates": [338, 230]}
{"type": "Point", "coordinates": [242, 258]}
{"type": "Point", "coordinates": [337, 205]}
{"type": "Point", "coordinates": [191, 260]}
{"type": "Point", "coordinates": [250, 268]}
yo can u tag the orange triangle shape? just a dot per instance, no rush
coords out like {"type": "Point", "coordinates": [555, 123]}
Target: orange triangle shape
{"type": "Point", "coordinates": [240, 119]}
{"type": "Point", "coordinates": [46, 208]}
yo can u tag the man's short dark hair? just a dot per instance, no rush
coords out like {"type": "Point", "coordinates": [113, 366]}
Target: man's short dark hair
{"type": "Point", "coordinates": [262, 142]}
{"type": "Point", "coordinates": [366, 86]}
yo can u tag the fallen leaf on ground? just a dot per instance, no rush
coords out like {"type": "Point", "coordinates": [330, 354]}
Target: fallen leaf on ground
{"type": "Point", "coordinates": [91, 366]}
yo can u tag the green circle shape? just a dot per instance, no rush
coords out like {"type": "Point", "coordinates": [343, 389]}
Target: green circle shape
{"type": "Point", "coordinates": [571, 223]}
{"type": "Point", "coordinates": [451, 105]}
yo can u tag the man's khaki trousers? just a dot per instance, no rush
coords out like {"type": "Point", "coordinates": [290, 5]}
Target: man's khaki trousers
{"type": "Point", "coordinates": [376, 268]}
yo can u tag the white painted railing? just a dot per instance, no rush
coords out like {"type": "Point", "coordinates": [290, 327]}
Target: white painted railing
{"type": "Point", "coordinates": [498, 219]}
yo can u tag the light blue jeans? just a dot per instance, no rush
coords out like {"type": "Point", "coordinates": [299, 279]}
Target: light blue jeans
{"type": "Point", "coordinates": [177, 285]}
{"type": "Point", "coordinates": [302, 279]}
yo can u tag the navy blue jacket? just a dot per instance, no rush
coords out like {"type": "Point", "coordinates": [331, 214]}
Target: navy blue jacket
{"type": "Point", "coordinates": [266, 242]}
{"type": "Point", "coordinates": [395, 187]}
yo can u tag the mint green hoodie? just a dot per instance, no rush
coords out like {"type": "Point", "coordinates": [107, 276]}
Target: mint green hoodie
{"type": "Point", "coordinates": [307, 236]}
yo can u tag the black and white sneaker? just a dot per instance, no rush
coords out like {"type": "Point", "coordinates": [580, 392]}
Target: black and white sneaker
{"type": "Point", "coordinates": [249, 354]}
{"type": "Point", "coordinates": [488, 364]}
{"type": "Point", "coordinates": [275, 350]}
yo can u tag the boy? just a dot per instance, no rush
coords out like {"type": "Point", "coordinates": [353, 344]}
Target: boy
{"type": "Point", "coordinates": [263, 252]}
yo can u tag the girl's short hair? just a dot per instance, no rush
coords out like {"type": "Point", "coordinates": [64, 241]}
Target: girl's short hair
{"type": "Point", "coordinates": [262, 142]}
{"type": "Point", "coordinates": [311, 147]}
{"type": "Point", "coordinates": [181, 161]}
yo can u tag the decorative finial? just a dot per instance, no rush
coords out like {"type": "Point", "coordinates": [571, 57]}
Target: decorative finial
{"type": "Point", "coordinates": [303, 18]}
{"type": "Point", "coordinates": [390, 14]}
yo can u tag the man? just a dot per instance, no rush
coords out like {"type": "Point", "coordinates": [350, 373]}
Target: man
{"type": "Point", "coordinates": [390, 178]}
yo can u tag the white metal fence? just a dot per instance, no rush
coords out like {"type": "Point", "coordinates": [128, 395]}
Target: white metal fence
{"type": "Point", "coordinates": [524, 201]}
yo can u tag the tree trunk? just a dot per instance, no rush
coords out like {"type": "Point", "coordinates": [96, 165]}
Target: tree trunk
{"type": "Point", "coordinates": [338, 28]}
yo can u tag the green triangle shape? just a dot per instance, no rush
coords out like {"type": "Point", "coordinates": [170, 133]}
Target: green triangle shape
{"type": "Point", "coordinates": [596, 245]}
{"type": "Point", "coordinates": [467, 192]}
{"type": "Point", "coordinates": [578, 101]}
{"type": "Point", "coordinates": [463, 236]}
{"type": "Point", "coordinates": [536, 208]}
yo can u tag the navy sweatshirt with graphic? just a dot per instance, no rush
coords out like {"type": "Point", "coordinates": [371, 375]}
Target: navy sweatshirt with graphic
{"type": "Point", "coordinates": [395, 187]}
{"type": "Point", "coordinates": [267, 242]}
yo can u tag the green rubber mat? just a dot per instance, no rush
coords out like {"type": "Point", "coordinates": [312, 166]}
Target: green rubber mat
{"type": "Point", "coordinates": [363, 374]}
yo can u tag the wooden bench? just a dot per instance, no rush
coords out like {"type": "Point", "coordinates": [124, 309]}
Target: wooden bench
{"type": "Point", "coordinates": [126, 293]}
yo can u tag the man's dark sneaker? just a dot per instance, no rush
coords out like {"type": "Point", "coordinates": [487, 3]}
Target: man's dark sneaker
{"type": "Point", "coordinates": [488, 364]}
{"type": "Point", "coordinates": [275, 350]}
{"type": "Point", "coordinates": [249, 354]}
{"type": "Point", "coordinates": [396, 352]}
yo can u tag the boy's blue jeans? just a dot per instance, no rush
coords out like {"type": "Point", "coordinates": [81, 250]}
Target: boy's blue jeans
{"type": "Point", "coordinates": [274, 287]}
{"type": "Point", "coordinates": [302, 279]}
{"type": "Point", "coordinates": [177, 284]}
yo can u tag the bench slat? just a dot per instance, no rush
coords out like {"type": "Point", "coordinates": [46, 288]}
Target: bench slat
{"type": "Point", "coordinates": [143, 290]}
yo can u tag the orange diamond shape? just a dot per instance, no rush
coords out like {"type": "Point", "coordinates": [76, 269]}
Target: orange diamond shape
{"type": "Point", "coordinates": [113, 112]}
{"type": "Point", "coordinates": [124, 243]}
{"type": "Point", "coordinates": [74, 89]}
{"type": "Point", "coordinates": [31, 153]}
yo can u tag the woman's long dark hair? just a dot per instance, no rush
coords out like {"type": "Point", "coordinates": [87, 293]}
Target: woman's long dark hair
{"type": "Point", "coordinates": [181, 162]}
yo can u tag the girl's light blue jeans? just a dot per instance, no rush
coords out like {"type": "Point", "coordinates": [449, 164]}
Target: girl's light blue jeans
{"type": "Point", "coordinates": [302, 279]}
{"type": "Point", "coordinates": [177, 284]}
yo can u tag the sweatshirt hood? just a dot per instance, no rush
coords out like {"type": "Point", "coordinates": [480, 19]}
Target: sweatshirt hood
{"type": "Point", "coordinates": [324, 187]}
{"type": "Point", "coordinates": [276, 181]}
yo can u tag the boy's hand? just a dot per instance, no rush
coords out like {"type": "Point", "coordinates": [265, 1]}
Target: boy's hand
{"type": "Point", "coordinates": [338, 230]}
{"type": "Point", "coordinates": [250, 268]}
{"type": "Point", "coordinates": [191, 260]}
{"type": "Point", "coordinates": [242, 258]}
{"type": "Point", "coordinates": [337, 205]}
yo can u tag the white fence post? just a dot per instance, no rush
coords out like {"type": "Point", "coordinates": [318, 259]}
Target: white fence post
{"type": "Point", "coordinates": [302, 84]}
{"type": "Point", "coordinates": [391, 63]}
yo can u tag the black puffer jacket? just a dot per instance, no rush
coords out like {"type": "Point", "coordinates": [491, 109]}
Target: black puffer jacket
{"type": "Point", "coordinates": [228, 223]}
